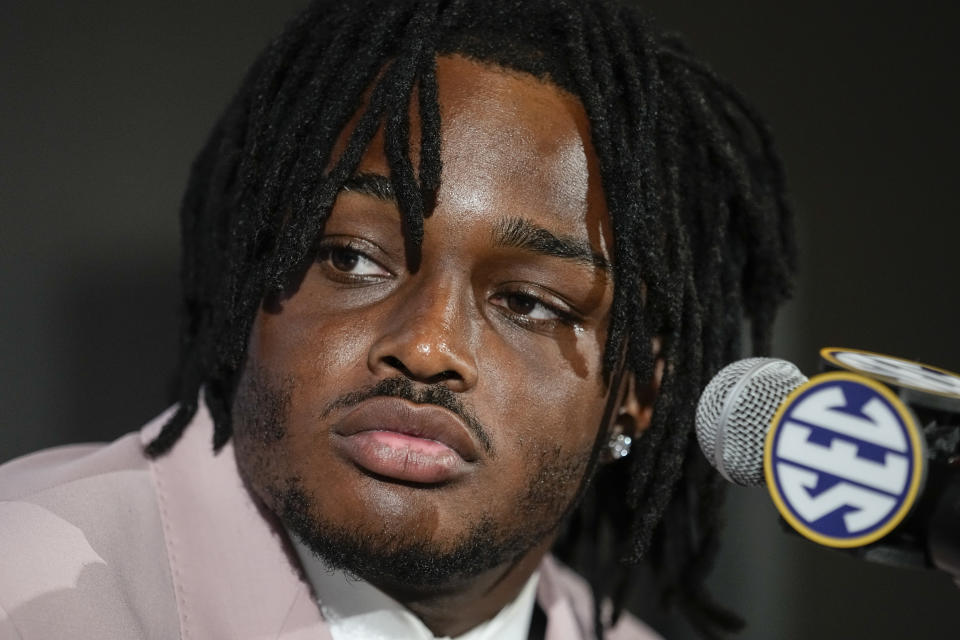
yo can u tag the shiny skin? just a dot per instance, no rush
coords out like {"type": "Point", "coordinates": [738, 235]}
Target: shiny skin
{"type": "Point", "coordinates": [516, 335]}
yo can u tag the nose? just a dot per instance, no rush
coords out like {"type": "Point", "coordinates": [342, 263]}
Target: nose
{"type": "Point", "coordinates": [427, 337]}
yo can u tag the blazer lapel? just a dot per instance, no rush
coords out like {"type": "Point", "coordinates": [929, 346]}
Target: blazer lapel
{"type": "Point", "coordinates": [569, 612]}
{"type": "Point", "coordinates": [234, 573]}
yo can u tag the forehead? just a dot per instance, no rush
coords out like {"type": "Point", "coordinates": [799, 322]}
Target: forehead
{"type": "Point", "coordinates": [511, 145]}
{"type": "Point", "coordinates": [507, 127]}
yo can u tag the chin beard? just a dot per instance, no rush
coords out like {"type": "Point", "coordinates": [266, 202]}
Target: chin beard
{"type": "Point", "coordinates": [404, 564]}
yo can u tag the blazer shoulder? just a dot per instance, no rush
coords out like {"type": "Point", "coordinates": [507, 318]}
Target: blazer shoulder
{"type": "Point", "coordinates": [559, 582]}
{"type": "Point", "coordinates": [82, 552]}
{"type": "Point", "coordinates": [629, 627]}
{"type": "Point", "coordinates": [48, 469]}
{"type": "Point", "coordinates": [44, 470]}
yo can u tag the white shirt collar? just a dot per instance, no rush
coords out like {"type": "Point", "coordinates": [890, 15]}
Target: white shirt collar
{"type": "Point", "coordinates": [356, 610]}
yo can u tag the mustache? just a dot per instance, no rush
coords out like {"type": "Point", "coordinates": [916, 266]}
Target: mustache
{"type": "Point", "coordinates": [404, 389]}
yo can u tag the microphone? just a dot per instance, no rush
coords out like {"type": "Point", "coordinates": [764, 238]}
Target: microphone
{"type": "Point", "coordinates": [863, 457]}
{"type": "Point", "coordinates": [735, 411]}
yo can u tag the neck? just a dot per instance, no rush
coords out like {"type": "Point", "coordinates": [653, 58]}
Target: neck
{"type": "Point", "coordinates": [455, 609]}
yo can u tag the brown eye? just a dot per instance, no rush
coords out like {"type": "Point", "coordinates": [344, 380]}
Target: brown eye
{"type": "Point", "coordinates": [530, 308]}
{"type": "Point", "coordinates": [343, 259]}
{"type": "Point", "coordinates": [521, 304]}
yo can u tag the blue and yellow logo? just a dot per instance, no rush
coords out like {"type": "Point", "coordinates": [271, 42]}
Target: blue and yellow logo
{"type": "Point", "coordinates": [844, 460]}
{"type": "Point", "coordinates": [895, 371]}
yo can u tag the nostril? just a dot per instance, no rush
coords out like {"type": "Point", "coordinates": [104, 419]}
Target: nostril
{"type": "Point", "coordinates": [397, 364]}
{"type": "Point", "coordinates": [443, 376]}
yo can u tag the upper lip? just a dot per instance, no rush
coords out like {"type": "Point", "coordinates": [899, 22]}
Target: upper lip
{"type": "Point", "coordinates": [418, 420]}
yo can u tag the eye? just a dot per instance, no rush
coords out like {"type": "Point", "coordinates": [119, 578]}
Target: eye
{"type": "Point", "coordinates": [532, 310]}
{"type": "Point", "coordinates": [529, 306]}
{"type": "Point", "coordinates": [343, 259]}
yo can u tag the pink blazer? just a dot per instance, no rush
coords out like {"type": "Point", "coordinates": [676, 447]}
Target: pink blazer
{"type": "Point", "coordinates": [99, 542]}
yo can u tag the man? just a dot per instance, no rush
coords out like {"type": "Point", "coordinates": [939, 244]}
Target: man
{"type": "Point", "coordinates": [454, 274]}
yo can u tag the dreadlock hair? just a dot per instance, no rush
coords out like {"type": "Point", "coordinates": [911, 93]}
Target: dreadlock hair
{"type": "Point", "coordinates": [703, 233]}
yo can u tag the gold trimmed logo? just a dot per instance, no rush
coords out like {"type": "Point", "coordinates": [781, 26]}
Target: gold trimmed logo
{"type": "Point", "coordinates": [844, 460]}
{"type": "Point", "coordinates": [895, 371]}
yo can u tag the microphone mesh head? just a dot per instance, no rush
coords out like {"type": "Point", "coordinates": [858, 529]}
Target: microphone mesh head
{"type": "Point", "coordinates": [735, 411]}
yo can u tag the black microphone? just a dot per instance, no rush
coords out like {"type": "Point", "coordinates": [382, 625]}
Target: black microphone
{"type": "Point", "coordinates": [863, 457]}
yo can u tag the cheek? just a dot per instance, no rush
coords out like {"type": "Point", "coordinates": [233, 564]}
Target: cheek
{"type": "Point", "coordinates": [298, 362]}
{"type": "Point", "coordinates": [308, 347]}
{"type": "Point", "coordinates": [541, 396]}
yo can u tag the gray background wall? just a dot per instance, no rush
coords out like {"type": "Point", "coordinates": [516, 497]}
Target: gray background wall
{"type": "Point", "coordinates": [103, 104]}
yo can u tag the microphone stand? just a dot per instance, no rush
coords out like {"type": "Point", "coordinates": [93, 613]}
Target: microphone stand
{"type": "Point", "coordinates": [943, 533]}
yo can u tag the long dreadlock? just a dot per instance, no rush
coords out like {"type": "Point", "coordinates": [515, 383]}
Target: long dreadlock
{"type": "Point", "coordinates": [703, 234]}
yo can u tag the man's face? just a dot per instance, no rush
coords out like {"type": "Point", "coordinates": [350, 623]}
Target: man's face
{"type": "Point", "coordinates": [441, 421]}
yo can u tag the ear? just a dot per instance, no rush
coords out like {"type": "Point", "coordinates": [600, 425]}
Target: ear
{"type": "Point", "coordinates": [637, 400]}
{"type": "Point", "coordinates": [635, 405]}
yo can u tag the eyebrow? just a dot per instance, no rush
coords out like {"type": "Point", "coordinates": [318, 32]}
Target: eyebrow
{"type": "Point", "coordinates": [371, 184]}
{"type": "Point", "coordinates": [523, 234]}
{"type": "Point", "coordinates": [510, 232]}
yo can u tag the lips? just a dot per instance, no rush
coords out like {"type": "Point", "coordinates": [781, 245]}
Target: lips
{"type": "Point", "coordinates": [398, 440]}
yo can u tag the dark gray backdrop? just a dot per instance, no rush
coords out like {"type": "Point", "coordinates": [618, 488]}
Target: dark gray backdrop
{"type": "Point", "coordinates": [103, 104]}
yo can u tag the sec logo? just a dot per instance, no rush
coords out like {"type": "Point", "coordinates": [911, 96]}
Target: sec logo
{"type": "Point", "coordinates": [896, 371]}
{"type": "Point", "coordinates": [844, 460]}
